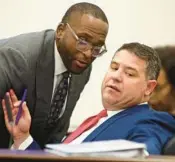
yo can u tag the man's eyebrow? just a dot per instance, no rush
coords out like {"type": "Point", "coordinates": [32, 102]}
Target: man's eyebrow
{"type": "Point", "coordinates": [131, 68]}
{"type": "Point", "coordinates": [126, 67]}
{"type": "Point", "coordinates": [85, 34]}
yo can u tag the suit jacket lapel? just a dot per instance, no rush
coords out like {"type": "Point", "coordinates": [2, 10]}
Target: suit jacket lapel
{"type": "Point", "coordinates": [45, 76]}
{"type": "Point", "coordinates": [104, 126]}
{"type": "Point", "coordinates": [111, 120]}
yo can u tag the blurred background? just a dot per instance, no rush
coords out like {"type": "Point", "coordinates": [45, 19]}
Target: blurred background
{"type": "Point", "coordinates": [146, 21]}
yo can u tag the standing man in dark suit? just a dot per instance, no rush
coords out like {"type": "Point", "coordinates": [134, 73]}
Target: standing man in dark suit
{"type": "Point", "coordinates": [126, 89]}
{"type": "Point", "coordinates": [54, 67]}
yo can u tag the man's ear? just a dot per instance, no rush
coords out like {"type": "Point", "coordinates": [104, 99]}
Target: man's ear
{"type": "Point", "coordinates": [60, 30]}
{"type": "Point", "coordinates": [150, 87]}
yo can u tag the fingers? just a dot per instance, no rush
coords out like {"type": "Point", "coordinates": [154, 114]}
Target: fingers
{"type": "Point", "coordinates": [14, 104]}
{"type": "Point", "coordinates": [6, 116]}
{"type": "Point", "coordinates": [13, 96]}
{"type": "Point", "coordinates": [14, 99]}
{"type": "Point", "coordinates": [13, 109]}
{"type": "Point", "coordinates": [10, 101]}
{"type": "Point", "coordinates": [4, 110]}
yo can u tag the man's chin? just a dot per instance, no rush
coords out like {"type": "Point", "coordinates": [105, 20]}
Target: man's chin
{"type": "Point", "coordinates": [77, 70]}
{"type": "Point", "coordinates": [109, 100]}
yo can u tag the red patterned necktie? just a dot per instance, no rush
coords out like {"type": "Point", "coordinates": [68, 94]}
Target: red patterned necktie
{"type": "Point", "coordinates": [86, 125]}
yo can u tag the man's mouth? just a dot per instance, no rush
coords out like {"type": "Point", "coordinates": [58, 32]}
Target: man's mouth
{"type": "Point", "coordinates": [81, 64]}
{"type": "Point", "coordinates": [114, 88]}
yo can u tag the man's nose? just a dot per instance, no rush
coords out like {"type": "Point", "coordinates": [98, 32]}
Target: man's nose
{"type": "Point", "coordinates": [118, 75]}
{"type": "Point", "coordinates": [88, 53]}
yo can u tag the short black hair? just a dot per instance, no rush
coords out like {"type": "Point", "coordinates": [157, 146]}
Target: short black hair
{"type": "Point", "coordinates": [85, 8]}
{"type": "Point", "coordinates": [146, 53]}
{"type": "Point", "coordinates": [167, 57]}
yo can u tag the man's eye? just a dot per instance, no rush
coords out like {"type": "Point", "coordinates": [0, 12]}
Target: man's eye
{"type": "Point", "coordinates": [83, 39]}
{"type": "Point", "coordinates": [129, 74]}
{"type": "Point", "coordinates": [113, 67]}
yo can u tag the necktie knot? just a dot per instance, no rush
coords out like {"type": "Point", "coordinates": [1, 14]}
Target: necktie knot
{"type": "Point", "coordinates": [66, 74]}
{"type": "Point", "coordinates": [86, 125]}
{"type": "Point", "coordinates": [102, 114]}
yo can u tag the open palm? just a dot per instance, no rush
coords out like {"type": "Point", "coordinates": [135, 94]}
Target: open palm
{"type": "Point", "coordinates": [20, 130]}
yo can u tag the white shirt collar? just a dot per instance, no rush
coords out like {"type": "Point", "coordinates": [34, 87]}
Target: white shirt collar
{"type": "Point", "coordinates": [143, 103]}
{"type": "Point", "coordinates": [59, 65]}
{"type": "Point", "coordinates": [111, 113]}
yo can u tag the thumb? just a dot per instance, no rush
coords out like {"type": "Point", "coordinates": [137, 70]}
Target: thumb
{"type": "Point", "coordinates": [16, 104]}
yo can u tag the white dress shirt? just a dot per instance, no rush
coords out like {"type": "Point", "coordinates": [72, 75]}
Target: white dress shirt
{"type": "Point", "coordinates": [80, 139]}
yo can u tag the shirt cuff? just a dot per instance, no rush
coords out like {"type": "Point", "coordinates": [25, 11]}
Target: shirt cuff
{"type": "Point", "coordinates": [145, 153]}
{"type": "Point", "coordinates": [25, 144]}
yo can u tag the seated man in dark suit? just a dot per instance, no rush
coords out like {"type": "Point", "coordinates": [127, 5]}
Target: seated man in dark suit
{"type": "Point", "coordinates": [126, 89]}
{"type": "Point", "coordinates": [163, 97]}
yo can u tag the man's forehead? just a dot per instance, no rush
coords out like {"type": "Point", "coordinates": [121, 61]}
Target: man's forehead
{"type": "Point", "coordinates": [91, 27]}
{"type": "Point", "coordinates": [128, 59]}
{"type": "Point", "coordinates": [120, 57]}
{"type": "Point", "coordinates": [78, 15]}
{"type": "Point", "coordinates": [78, 19]}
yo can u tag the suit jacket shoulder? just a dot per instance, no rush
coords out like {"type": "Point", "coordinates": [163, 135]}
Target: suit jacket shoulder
{"type": "Point", "coordinates": [140, 124]}
{"type": "Point", "coordinates": [19, 57]}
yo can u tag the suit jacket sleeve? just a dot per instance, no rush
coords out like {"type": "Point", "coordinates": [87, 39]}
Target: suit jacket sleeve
{"type": "Point", "coordinates": [13, 67]}
{"type": "Point", "coordinates": [33, 146]}
{"type": "Point", "coordinates": [152, 135]}
{"type": "Point", "coordinates": [170, 147]}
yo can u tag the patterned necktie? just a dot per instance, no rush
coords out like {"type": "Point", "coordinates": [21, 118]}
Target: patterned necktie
{"type": "Point", "coordinates": [86, 125]}
{"type": "Point", "coordinates": [58, 100]}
